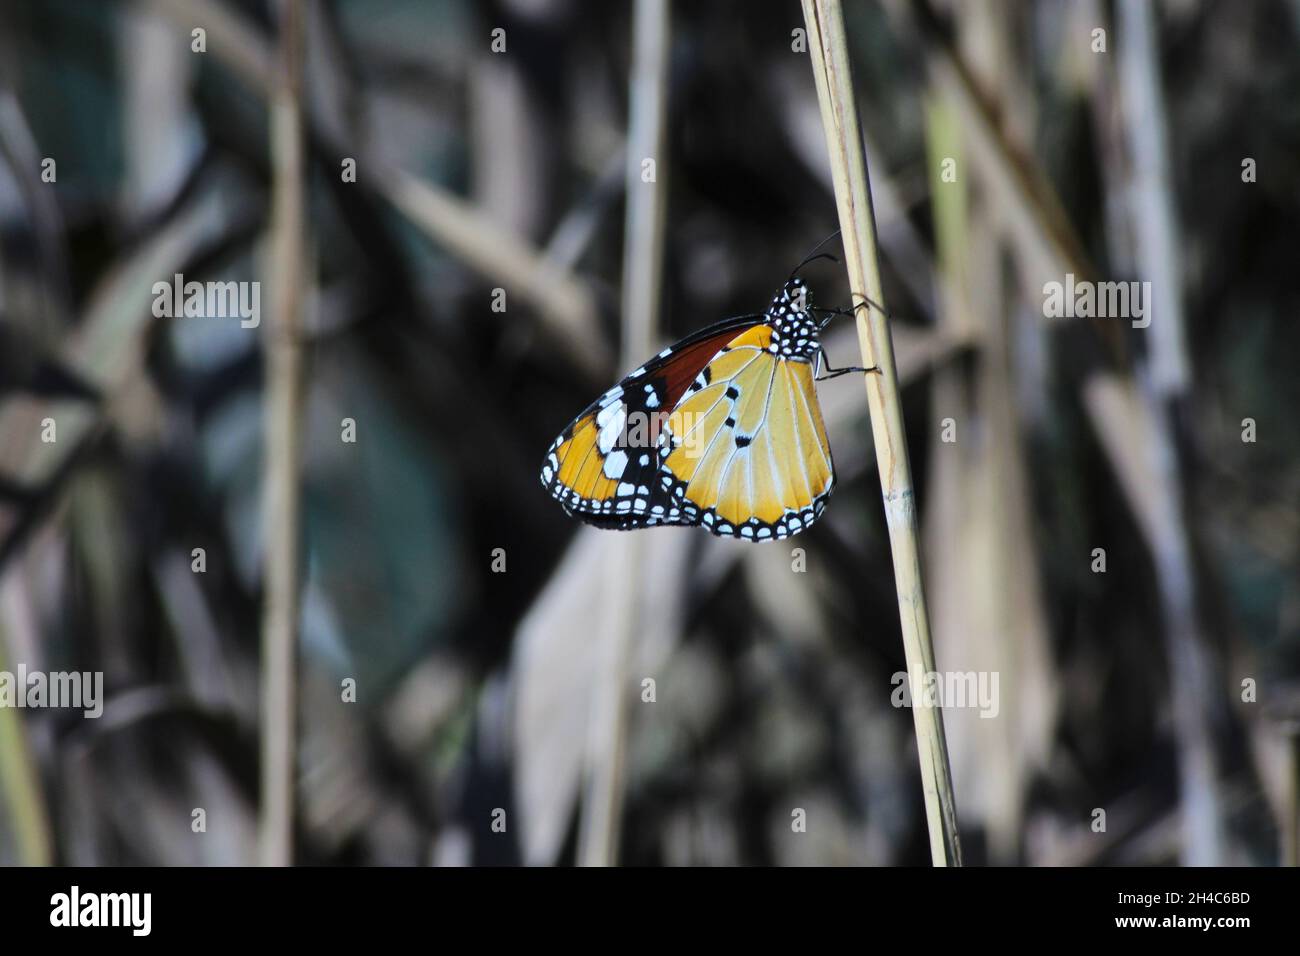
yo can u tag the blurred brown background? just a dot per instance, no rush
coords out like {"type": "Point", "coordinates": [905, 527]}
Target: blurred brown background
{"type": "Point", "coordinates": [479, 170]}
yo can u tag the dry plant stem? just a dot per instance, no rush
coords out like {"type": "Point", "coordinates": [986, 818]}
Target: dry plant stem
{"type": "Point", "coordinates": [282, 452]}
{"type": "Point", "coordinates": [1038, 228]}
{"type": "Point", "coordinates": [20, 776]}
{"type": "Point", "coordinates": [829, 49]}
{"type": "Point", "coordinates": [602, 807]}
{"type": "Point", "coordinates": [565, 304]}
{"type": "Point", "coordinates": [1154, 218]}
{"type": "Point", "coordinates": [642, 274]}
{"type": "Point", "coordinates": [981, 582]}
{"type": "Point", "coordinates": [1192, 682]}
{"type": "Point", "coordinates": [1289, 832]}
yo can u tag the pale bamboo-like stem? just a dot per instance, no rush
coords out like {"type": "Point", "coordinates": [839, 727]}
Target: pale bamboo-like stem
{"type": "Point", "coordinates": [1192, 681]}
{"type": "Point", "coordinates": [1289, 831]}
{"type": "Point", "coordinates": [282, 451]}
{"type": "Point", "coordinates": [20, 774]}
{"type": "Point", "coordinates": [642, 275]}
{"type": "Point", "coordinates": [831, 71]}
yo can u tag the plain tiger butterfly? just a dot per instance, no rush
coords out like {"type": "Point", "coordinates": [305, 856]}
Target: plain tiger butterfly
{"type": "Point", "coordinates": [722, 430]}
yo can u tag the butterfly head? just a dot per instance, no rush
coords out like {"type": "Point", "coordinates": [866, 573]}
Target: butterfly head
{"type": "Point", "coordinates": [794, 329]}
{"type": "Point", "coordinates": [791, 300]}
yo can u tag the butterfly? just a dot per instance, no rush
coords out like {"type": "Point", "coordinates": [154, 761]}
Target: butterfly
{"type": "Point", "coordinates": [722, 430]}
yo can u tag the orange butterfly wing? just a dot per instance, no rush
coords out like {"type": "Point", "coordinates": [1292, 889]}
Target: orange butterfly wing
{"type": "Point", "coordinates": [723, 430]}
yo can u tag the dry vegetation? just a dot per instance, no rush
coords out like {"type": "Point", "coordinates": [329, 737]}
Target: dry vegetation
{"type": "Point", "coordinates": [478, 171]}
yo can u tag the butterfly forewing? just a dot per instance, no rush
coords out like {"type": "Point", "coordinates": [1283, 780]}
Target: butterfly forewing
{"type": "Point", "coordinates": [601, 467]}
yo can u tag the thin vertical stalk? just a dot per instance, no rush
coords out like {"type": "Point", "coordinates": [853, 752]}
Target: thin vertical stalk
{"type": "Point", "coordinates": [282, 453]}
{"type": "Point", "coordinates": [831, 70]}
{"type": "Point", "coordinates": [20, 774]}
{"type": "Point", "coordinates": [1289, 832]}
{"type": "Point", "coordinates": [1153, 219]}
{"type": "Point", "coordinates": [642, 274]}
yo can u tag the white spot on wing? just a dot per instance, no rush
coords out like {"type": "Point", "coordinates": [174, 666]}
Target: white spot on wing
{"type": "Point", "coordinates": [610, 420]}
{"type": "Point", "coordinates": [615, 464]}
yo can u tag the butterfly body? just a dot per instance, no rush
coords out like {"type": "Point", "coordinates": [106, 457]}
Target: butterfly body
{"type": "Point", "coordinates": [722, 430]}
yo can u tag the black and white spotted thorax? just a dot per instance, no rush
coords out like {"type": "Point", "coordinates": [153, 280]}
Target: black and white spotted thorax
{"type": "Point", "coordinates": [794, 330]}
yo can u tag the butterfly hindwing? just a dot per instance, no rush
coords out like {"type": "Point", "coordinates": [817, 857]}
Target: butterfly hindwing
{"type": "Point", "coordinates": [749, 449]}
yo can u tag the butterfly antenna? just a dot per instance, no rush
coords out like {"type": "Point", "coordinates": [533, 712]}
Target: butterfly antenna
{"type": "Point", "coordinates": [815, 254]}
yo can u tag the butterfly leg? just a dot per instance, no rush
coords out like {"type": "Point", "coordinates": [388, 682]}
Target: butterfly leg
{"type": "Point", "coordinates": [836, 372]}
{"type": "Point", "coordinates": [832, 313]}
